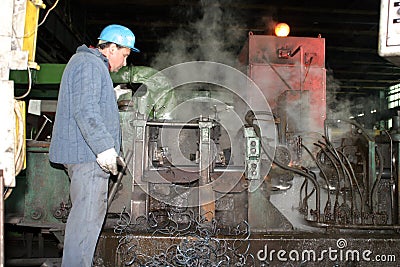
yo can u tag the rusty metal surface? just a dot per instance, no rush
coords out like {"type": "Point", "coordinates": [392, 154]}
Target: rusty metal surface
{"type": "Point", "coordinates": [324, 202]}
{"type": "Point", "coordinates": [302, 70]}
{"type": "Point", "coordinates": [47, 190]}
{"type": "Point", "coordinates": [304, 249]}
{"type": "Point", "coordinates": [262, 47]}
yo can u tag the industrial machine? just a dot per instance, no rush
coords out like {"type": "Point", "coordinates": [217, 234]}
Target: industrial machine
{"type": "Point", "coordinates": [234, 168]}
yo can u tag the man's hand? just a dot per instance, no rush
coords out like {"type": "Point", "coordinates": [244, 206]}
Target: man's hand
{"type": "Point", "coordinates": [120, 91]}
{"type": "Point", "coordinates": [108, 161]}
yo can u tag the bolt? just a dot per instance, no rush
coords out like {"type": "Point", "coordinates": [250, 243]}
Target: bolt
{"type": "Point", "coordinates": [36, 214]}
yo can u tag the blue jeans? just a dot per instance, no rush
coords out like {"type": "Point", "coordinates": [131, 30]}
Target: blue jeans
{"type": "Point", "coordinates": [88, 191]}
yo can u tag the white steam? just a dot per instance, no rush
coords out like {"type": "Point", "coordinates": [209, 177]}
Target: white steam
{"type": "Point", "coordinates": [213, 37]}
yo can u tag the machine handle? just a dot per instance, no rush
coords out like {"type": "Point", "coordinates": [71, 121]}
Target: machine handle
{"type": "Point", "coordinates": [121, 162]}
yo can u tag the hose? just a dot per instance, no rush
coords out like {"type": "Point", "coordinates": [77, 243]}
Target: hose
{"type": "Point", "coordinates": [19, 155]}
{"type": "Point", "coordinates": [19, 145]}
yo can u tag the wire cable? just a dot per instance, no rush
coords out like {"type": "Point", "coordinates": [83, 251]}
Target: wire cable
{"type": "Point", "coordinates": [18, 148]}
{"type": "Point", "coordinates": [19, 162]}
{"type": "Point", "coordinates": [29, 86]}
{"type": "Point", "coordinates": [47, 13]}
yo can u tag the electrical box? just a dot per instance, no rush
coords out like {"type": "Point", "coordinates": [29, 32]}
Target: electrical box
{"type": "Point", "coordinates": [389, 31]}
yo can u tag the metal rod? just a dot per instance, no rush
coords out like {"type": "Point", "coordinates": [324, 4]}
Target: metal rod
{"type": "Point", "coordinates": [115, 186]}
{"type": "Point", "coordinates": [195, 168]}
{"type": "Point", "coordinates": [41, 128]}
{"type": "Point", "coordinates": [174, 124]}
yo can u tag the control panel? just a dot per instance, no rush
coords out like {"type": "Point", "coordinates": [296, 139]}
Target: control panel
{"type": "Point", "coordinates": [389, 31]}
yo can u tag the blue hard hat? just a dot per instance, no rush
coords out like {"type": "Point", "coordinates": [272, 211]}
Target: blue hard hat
{"type": "Point", "coordinates": [120, 35]}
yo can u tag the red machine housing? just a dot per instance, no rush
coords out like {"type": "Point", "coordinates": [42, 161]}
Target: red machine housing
{"type": "Point", "coordinates": [290, 71]}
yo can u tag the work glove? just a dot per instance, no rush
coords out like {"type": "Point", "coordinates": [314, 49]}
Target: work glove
{"type": "Point", "coordinates": [108, 161]}
{"type": "Point", "coordinates": [118, 90]}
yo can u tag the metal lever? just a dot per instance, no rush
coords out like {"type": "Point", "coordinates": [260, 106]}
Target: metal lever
{"type": "Point", "coordinates": [41, 128]}
{"type": "Point", "coordinates": [121, 162]}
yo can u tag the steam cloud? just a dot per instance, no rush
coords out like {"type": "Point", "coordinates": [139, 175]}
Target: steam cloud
{"type": "Point", "coordinates": [215, 36]}
{"type": "Point", "coordinates": [336, 109]}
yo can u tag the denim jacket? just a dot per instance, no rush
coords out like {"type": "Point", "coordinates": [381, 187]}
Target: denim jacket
{"type": "Point", "coordinates": [87, 118]}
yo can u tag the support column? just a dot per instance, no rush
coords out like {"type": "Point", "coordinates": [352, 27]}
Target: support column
{"type": "Point", "coordinates": [206, 193]}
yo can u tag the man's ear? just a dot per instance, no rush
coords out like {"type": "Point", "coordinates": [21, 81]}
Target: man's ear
{"type": "Point", "coordinates": [112, 48]}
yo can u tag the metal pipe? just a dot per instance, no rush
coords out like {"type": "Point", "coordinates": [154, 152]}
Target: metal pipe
{"type": "Point", "coordinates": [41, 128]}
{"type": "Point", "coordinates": [301, 202]}
{"type": "Point", "coordinates": [377, 181]}
{"type": "Point", "coordinates": [393, 191]}
{"type": "Point", "coordinates": [321, 169]}
{"type": "Point", "coordinates": [351, 175]}
{"type": "Point", "coordinates": [300, 172]}
{"type": "Point", "coordinates": [336, 204]}
{"type": "Point", "coordinates": [345, 171]}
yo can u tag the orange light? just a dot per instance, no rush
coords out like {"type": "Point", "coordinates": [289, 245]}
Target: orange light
{"type": "Point", "coordinates": [282, 30]}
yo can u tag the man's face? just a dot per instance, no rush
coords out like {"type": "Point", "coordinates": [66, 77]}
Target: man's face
{"type": "Point", "coordinates": [117, 57]}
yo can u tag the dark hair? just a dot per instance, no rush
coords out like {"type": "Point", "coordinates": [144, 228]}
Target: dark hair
{"type": "Point", "coordinates": [107, 44]}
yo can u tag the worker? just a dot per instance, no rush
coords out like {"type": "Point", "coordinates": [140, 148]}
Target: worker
{"type": "Point", "coordinates": [86, 137]}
